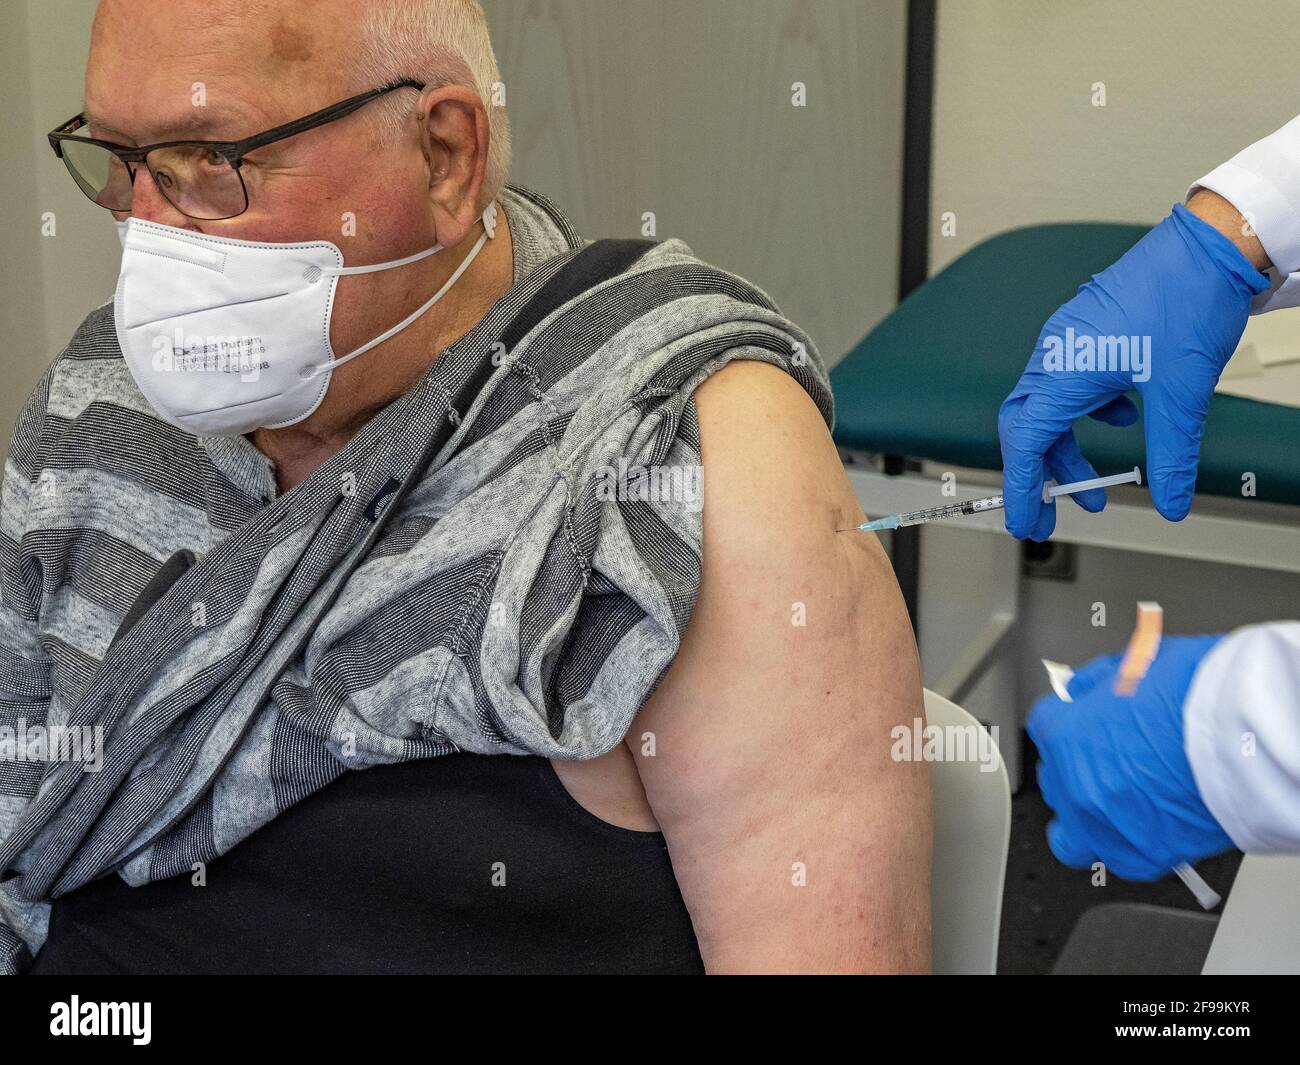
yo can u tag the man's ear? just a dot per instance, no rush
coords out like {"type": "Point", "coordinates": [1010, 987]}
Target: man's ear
{"type": "Point", "coordinates": [454, 140]}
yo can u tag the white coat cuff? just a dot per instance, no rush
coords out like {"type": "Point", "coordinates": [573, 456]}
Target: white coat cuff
{"type": "Point", "coordinates": [1241, 729]}
{"type": "Point", "coordinates": [1263, 183]}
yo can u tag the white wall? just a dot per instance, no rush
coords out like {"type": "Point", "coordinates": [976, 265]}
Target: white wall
{"type": "Point", "coordinates": [23, 322]}
{"type": "Point", "coordinates": [683, 108]}
{"type": "Point", "coordinates": [1017, 140]}
{"type": "Point", "coordinates": [51, 282]}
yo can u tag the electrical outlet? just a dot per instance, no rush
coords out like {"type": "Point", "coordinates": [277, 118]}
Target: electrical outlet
{"type": "Point", "coordinates": [1052, 560]}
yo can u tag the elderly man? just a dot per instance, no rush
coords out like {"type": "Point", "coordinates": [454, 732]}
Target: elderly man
{"type": "Point", "coordinates": [358, 472]}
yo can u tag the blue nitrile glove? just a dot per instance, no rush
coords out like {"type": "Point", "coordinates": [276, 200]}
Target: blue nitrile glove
{"type": "Point", "coordinates": [1186, 287]}
{"type": "Point", "coordinates": [1114, 771]}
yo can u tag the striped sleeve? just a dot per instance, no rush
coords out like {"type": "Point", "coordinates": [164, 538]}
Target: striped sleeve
{"type": "Point", "coordinates": [24, 666]}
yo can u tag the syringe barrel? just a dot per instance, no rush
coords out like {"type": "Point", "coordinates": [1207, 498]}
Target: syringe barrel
{"type": "Point", "coordinates": [920, 517]}
{"type": "Point", "coordinates": [952, 510]}
{"type": "Point", "coordinates": [979, 506]}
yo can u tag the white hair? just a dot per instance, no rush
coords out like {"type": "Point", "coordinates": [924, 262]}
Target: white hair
{"type": "Point", "coordinates": [441, 42]}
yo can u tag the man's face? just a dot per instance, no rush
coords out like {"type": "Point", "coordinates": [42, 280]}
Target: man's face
{"type": "Point", "coordinates": [226, 69]}
{"type": "Point", "coordinates": [229, 69]}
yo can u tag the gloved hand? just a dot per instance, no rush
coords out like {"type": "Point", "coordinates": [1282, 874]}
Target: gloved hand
{"type": "Point", "coordinates": [1186, 287]}
{"type": "Point", "coordinates": [1114, 771]}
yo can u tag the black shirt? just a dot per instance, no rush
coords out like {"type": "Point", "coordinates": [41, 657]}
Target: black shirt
{"type": "Point", "coordinates": [462, 864]}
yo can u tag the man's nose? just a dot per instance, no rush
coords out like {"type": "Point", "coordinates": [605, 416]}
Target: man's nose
{"type": "Point", "coordinates": [150, 205]}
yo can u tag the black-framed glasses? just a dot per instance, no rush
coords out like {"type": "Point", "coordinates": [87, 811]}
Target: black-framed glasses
{"type": "Point", "coordinates": [201, 179]}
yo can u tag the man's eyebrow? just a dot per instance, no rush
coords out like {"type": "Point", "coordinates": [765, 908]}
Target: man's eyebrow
{"type": "Point", "coordinates": [195, 124]}
{"type": "Point", "coordinates": [94, 120]}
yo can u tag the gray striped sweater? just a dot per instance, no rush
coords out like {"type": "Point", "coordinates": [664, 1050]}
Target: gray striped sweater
{"type": "Point", "coordinates": [503, 561]}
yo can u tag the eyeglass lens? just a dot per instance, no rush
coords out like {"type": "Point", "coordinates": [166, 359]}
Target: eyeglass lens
{"type": "Point", "coordinates": [197, 181]}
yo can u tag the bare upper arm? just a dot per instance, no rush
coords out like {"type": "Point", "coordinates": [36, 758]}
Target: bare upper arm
{"type": "Point", "coordinates": [799, 845]}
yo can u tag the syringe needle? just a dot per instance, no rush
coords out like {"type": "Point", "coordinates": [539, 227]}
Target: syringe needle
{"type": "Point", "coordinates": [987, 504]}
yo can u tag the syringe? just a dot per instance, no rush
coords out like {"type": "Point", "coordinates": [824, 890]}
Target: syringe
{"type": "Point", "coordinates": [987, 503]}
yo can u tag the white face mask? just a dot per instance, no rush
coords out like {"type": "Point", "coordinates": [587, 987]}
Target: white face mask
{"type": "Point", "coordinates": [225, 336]}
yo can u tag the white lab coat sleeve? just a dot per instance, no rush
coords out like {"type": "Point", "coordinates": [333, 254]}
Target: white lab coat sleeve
{"type": "Point", "coordinates": [1263, 183]}
{"type": "Point", "coordinates": [1241, 730]}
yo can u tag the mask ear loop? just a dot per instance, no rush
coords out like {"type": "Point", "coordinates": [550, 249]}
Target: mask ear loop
{"type": "Point", "coordinates": [489, 219]}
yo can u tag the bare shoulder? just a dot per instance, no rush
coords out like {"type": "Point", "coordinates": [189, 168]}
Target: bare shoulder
{"type": "Point", "coordinates": [798, 843]}
{"type": "Point", "coordinates": [766, 445]}
{"type": "Point", "coordinates": [776, 498]}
